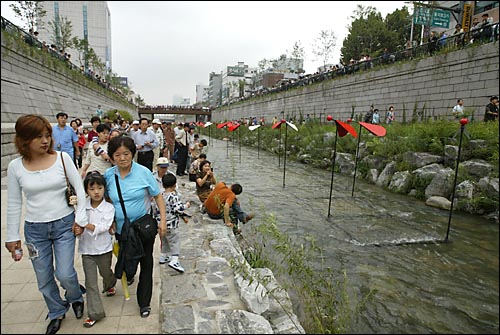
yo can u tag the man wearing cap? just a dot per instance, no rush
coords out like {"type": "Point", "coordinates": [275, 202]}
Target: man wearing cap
{"type": "Point", "coordinates": [145, 142]}
{"type": "Point", "coordinates": [135, 128]}
{"type": "Point", "coordinates": [162, 169]}
{"type": "Point", "coordinates": [156, 129]}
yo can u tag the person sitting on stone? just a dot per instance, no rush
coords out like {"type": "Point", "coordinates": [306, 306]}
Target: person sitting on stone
{"type": "Point", "coordinates": [223, 204]}
{"type": "Point", "coordinates": [194, 168]}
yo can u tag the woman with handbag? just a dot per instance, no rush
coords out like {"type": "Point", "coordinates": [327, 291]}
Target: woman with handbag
{"type": "Point", "coordinates": [130, 187]}
{"type": "Point", "coordinates": [49, 220]}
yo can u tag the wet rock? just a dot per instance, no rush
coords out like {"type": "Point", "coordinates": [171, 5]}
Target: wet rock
{"type": "Point", "coordinates": [400, 182]}
{"type": "Point", "coordinates": [489, 186]}
{"type": "Point", "coordinates": [438, 202]}
{"type": "Point", "coordinates": [420, 159]}
{"type": "Point", "coordinates": [385, 176]}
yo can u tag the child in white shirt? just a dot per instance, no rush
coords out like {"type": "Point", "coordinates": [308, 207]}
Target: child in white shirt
{"type": "Point", "coordinates": [96, 246]}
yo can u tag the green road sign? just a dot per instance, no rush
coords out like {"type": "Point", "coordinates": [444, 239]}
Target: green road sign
{"type": "Point", "coordinates": [438, 18]}
{"type": "Point", "coordinates": [421, 16]}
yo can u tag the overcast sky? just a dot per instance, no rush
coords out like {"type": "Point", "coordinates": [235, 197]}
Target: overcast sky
{"type": "Point", "coordinates": [165, 48]}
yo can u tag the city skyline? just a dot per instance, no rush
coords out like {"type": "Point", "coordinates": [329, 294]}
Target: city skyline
{"type": "Point", "coordinates": [167, 48]}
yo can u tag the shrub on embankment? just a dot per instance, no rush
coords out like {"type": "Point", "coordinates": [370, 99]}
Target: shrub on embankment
{"type": "Point", "coordinates": [417, 158]}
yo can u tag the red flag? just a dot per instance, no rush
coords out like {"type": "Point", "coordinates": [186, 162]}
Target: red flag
{"type": "Point", "coordinates": [278, 124]}
{"type": "Point", "coordinates": [344, 128]}
{"type": "Point", "coordinates": [375, 129]}
{"type": "Point", "coordinates": [222, 125]}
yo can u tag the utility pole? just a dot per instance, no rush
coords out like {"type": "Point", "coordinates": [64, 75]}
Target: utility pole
{"type": "Point", "coordinates": [412, 25]}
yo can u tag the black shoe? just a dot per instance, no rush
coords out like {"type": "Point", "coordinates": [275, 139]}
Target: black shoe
{"type": "Point", "coordinates": [131, 281]}
{"type": "Point", "coordinates": [78, 309]}
{"type": "Point", "coordinates": [145, 311]}
{"type": "Point", "coordinates": [54, 326]}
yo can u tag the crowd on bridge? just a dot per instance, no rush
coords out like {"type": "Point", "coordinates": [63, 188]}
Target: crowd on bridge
{"type": "Point", "coordinates": [166, 108]}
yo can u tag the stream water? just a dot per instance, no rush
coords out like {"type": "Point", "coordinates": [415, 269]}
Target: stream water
{"type": "Point", "coordinates": [384, 241]}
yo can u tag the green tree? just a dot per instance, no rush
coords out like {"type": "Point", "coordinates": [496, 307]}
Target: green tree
{"type": "Point", "coordinates": [62, 32]}
{"type": "Point", "coordinates": [298, 52]}
{"type": "Point", "coordinates": [369, 33]}
{"type": "Point", "coordinates": [399, 23]}
{"type": "Point", "coordinates": [30, 12]}
{"type": "Point", "coordinates": [95, 62]}
{"type": "Point", "coordinates": [324, 45]}
{"type": "Point", "coordinates": [241, 88]}
{"type": "Point", "coordinates": [263, 64]}
{"type": "Point", "coordinates": [139, 101]}
{"type": "Point", "coordinates": [81, 46]}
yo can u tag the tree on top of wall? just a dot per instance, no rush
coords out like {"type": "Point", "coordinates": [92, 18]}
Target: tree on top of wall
{"type": "Point", "coordinates": [31, 13]}
{"type": "Point", "coordinates": [62, 31]}
{"type": "Point", "coordinates": [324, 45]}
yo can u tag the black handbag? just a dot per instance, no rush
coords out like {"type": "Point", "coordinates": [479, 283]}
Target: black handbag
{"type": "Point", "coordinates": [70, 190]}
{"type": "Point", "coordinates": [146, 226]}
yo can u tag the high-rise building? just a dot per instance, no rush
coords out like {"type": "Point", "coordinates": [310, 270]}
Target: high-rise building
{"type": "Point", "coordinates": [215, 89]}
{"type": "Point", "coordinates": [91, 20]}
{"type": "Point", "coordinates": [201, 93]}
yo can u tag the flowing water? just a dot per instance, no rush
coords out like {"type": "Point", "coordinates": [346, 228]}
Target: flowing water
{"type": "Point", "coordinates": [384, 241]}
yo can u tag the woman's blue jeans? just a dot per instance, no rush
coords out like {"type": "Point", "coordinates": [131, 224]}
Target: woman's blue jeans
{"type": "Point", "coordinates": [46, 241]}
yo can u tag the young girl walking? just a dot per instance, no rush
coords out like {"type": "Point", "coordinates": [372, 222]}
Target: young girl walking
{"type": "Point", "coordinates": [96, 246]}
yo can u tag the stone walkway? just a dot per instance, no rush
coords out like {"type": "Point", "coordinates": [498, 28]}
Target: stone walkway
{"type": "Point", "coordinates": [207, 298]}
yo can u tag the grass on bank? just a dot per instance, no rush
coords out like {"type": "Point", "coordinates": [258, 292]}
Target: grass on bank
{"type": "Point", "coordinates": [327, 302]}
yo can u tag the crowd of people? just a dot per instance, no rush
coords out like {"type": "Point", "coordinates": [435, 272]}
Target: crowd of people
{"type": "Point", "coordinates": [481, 32]}
{"type": "Point", "coordinates": [119, 180]}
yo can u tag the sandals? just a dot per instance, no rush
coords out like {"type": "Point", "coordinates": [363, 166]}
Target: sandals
{"type": "Point", "coordinates": [89, 323]}
{"type": "Point", "coordinates": [145, 311]}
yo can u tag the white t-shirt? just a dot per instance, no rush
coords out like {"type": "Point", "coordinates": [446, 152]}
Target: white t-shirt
{"type": "Point", "coordinates": [458, 110]}
{"type": "Point", "coordinates": [45, 192]}
{"type": "Point", "coordinates": [99, 241]}
{"type": "Point", "coordinates": [97, 163]}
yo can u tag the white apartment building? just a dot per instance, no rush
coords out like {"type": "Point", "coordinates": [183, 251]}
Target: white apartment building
{"type": "Point", "coordinates": [201, 93]}
{"type": "Point", "coordinates": [237, 81]}
{"type": "Point", "coordinates": [91, 20]}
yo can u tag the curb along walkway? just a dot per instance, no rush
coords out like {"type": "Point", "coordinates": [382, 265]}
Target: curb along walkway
{"type": "Point", "coordinates": [207, 298]}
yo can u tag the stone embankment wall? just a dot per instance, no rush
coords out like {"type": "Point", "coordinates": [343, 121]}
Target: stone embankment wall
{"type": "Point", "coordinates": [33, 84]}
{"type": "Point", "coordinates": [433, 83]}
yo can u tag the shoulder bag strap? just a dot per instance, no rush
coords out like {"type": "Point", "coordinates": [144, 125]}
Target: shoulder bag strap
{"type": "Point", "coordinates": [120, 195]}
{"type": "Point", "coordinates": [64, 167]}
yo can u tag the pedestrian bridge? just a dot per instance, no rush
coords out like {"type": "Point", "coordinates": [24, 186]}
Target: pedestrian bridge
{"type": "Point", "coordinates": [180, 110]}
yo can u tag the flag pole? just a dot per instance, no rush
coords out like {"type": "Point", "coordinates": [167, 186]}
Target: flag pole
{"type": "Point", "coordinates": [258, 142]}
{"type": "Point", "coordinates": [463, 122]}
{"type": "Point", "coordinates": [356, 161]}
{"type": "Point", "coordinates": [333, 168]}
{"type": "Point", "coordinates": [284, 154]}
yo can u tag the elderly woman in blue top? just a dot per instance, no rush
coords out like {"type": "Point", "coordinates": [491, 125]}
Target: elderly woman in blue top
{"type": "Point", "coordinates": [49, 221]}
{"type": "Point", "coordinates": [137, 186]}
